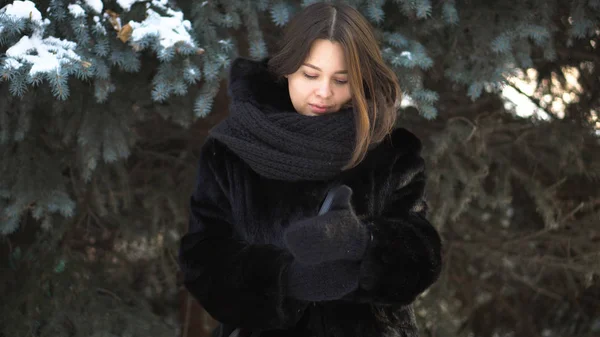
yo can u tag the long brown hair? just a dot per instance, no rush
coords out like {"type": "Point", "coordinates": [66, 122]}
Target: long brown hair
{"type": "Point", "coordinates": [374, 86]}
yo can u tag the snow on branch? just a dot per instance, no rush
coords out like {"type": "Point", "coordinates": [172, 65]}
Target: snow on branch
{"type": "Point", "coordinates": [169, 30]}
{"type": "Point", "coordinates": [162, 32]}
{"type": "Point", "coordinates": [34, 55]}
{"type": "Point", "coordinates": [95, 5]}
{"type": "Point", "coordinates": [23, 10]}
{"type": "Point", "coordinates": [126, 4]}
{"type": "Point", "coordinates": [45, 55]}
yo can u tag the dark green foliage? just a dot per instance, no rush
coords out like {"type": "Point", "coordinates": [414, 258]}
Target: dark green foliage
{"type": "Point", "coordinates": [98, 156]}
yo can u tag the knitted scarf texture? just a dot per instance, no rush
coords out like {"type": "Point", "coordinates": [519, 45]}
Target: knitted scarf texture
{"type": "Point", "coordinates": [277, 142]}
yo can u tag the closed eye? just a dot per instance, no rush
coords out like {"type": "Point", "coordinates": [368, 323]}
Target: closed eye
{"type": "Point", "coordinates": [312, 77]}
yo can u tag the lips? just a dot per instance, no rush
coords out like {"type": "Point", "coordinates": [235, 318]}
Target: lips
{"type": "Point", "coordinates": [319, 109]}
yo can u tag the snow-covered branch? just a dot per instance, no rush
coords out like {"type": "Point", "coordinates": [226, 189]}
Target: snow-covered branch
{"type": "Point", "coordinates": [32, 54]}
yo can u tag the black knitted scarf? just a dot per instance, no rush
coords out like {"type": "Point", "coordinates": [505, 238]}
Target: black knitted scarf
{"type": "Point", "coordinates": [277, 142]}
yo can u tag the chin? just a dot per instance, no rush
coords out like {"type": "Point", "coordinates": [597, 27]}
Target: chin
{"type": "Point", "coordinates": [308, 114]}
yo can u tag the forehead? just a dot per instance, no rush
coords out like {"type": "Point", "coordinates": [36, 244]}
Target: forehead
{"type": "Point", "coordinates": [327, 55]}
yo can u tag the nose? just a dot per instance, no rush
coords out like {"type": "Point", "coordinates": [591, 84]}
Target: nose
{"type": "Point", "coordinates": [324, 89]}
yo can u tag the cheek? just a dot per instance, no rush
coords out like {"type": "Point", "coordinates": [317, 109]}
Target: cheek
{"type": "Point", "coordinates": [298, 91]}
{"type": "Point", "coordinates": [344, 95]}
{"type": "Point", "coordinates": [296, 95]}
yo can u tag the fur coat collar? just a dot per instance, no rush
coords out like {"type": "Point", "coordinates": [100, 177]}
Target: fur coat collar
{"type": "Point", "coordinates": [234, 259]}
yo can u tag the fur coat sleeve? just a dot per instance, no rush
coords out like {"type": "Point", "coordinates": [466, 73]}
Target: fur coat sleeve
{"type": "Point", "coordinates": [238, 283]}
{"type": "Point", "coordinates": [404, 257]}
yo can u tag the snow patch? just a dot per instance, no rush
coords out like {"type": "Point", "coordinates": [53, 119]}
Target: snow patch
{"type": "Point", "coordinates": [118, 23]}
{"type": "Point", "coordinates": [98, 25]}
{"type": "Point", "coordinates": [126, 4]}
{"type": "Point", "coordinates": [23, 10]}
{"type": "Point", "coordinates": [169, 29]}
{"type": "Point", "coordinates": [162, 3]}
{"type": "Point", "coordinates": [12, 63]}
{"type": "Point", "coordinates": [96, 5]}
{"type": "Point", "coordinates": [45, 55]}
{"type": "Point", "coordinates": [76, 10]}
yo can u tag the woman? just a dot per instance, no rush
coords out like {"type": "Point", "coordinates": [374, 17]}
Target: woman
{"type": "Point", "coordinates": [308, 217]}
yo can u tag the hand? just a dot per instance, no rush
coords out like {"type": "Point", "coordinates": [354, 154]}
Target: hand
{"type": "Point", "coordinates": [322, 282]}
{"type": "Point", "coordinates": [335, 235]}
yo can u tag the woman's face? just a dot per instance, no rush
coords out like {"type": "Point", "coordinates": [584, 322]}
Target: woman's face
{"type": "Point", "coordinates": [320, 86]}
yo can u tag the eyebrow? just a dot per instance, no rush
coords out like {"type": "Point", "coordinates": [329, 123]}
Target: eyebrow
{"type": "Point", "coordinates": [319, 69]}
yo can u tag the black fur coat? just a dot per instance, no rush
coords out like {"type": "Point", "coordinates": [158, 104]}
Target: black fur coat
{"type": "Point", "coordinates": [234, 258]}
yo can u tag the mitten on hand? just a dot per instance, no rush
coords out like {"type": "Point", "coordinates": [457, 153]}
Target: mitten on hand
{"type": "Point", "coordinates": [322, 282]}
{"type": "Point", "coordinates": [336, 234]}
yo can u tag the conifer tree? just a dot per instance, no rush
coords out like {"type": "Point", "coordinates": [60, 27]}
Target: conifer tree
{"type": "Point", "coordinates": [104, 104]}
